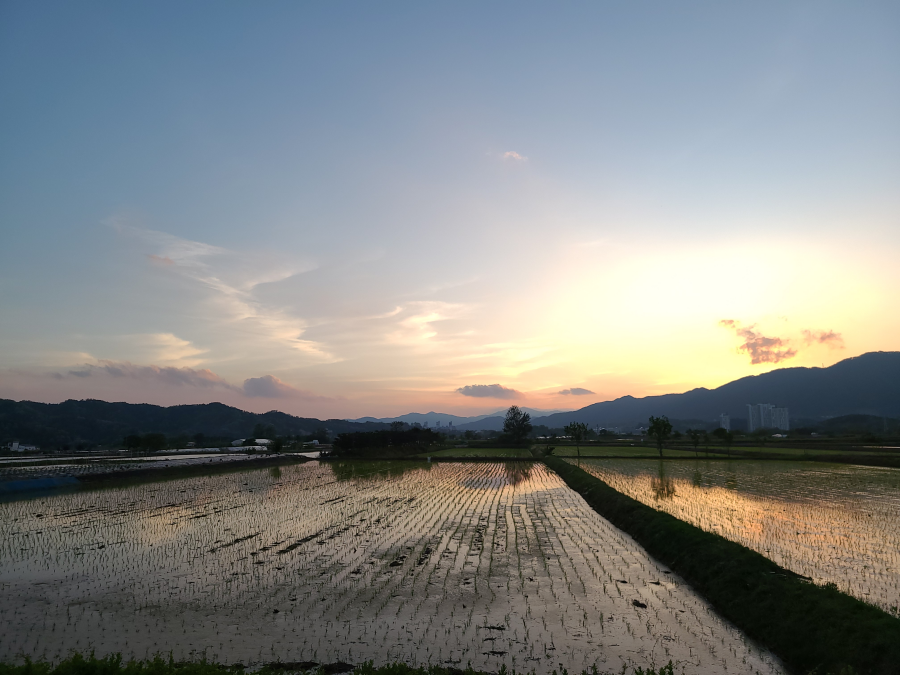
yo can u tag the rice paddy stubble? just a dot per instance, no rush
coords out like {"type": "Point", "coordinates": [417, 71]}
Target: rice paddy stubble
{"type": "Point", "coordinates": [484, 563]}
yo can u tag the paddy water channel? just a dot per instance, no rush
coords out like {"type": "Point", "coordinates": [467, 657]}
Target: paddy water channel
{"type": "Point", "coordinates": [834, 523]}
{"type": "Point", "coordinates": [483, 564]}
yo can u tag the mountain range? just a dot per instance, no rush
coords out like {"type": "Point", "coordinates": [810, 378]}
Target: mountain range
{"type": "Point", "coordinates": [91, 422]}
{"type": "Point", "coordinates": [864, 385]}
{"type": "Point", "coordinates": [433, 419]}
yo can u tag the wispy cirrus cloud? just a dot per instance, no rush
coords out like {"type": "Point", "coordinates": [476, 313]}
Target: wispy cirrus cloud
{"type": "Point", "coordinates": [489, 391]}
{"type": "Point", "coordinates": [575, 391]}
{"type": "Point", "coordinates": [166, 349]}
{"type": "Point", "coordinates": [414, 322]}
{"type": "Point", "coordinates": [232, 277]}
{"type": "Point", "coordinates": [822, 337]}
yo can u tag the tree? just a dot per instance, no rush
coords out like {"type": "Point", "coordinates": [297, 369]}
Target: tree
{"type": "Point", "coordinates": [264, 431]}
{"type": "Point", "coordinates": [660, 429]}
{"type": "Point", "coordinates": [517, 424]}
{"type": "Point", "coordinates": [154, 442]}
{"type": "Point", "coordinates": [577, 431]}
{"type": "Point", "coordinates": [725, 436]}
{"type": "Point", "coordinates": [695, 435]}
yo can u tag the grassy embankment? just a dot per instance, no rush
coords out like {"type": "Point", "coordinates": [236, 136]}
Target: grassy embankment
{"type": "Point", "coordinates": [476, 452]}
{"type": "Point", "coordinates": [115, 665]}
{"type": "Point", "coordinates": [810, 627]}
{"type": "Point", "coordinates": [638, 451]}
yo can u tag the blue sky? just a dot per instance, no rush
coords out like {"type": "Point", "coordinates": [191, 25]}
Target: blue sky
{"type": "Point", "coordinates": [345, 209]}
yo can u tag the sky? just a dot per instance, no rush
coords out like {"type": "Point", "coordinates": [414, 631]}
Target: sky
{"type": "Point", "coordinates": [345, 209]}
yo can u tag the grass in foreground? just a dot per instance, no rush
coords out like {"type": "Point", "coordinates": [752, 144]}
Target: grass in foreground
{"type": "Point", "coordinates": [629, 451]}
{"type": "Point", "coordinates": [811, 628]}
{"type": "Point", "coordinates": [114, 664]}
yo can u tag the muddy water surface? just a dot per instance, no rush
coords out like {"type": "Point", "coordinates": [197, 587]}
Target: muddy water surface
{"type": "Point", "coordinates": [835, 523]}
{"type": "Point", "coordinates": [479, 563]}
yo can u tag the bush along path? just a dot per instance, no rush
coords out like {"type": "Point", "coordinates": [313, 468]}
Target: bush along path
{"type": "Point", "coordinates": [811, 628]}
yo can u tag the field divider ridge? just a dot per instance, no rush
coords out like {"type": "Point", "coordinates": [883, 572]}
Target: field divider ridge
{"type": "Point", "coordinates": [811, 628]}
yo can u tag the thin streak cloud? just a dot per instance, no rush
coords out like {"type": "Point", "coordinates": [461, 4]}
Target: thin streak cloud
{"type": "Point", "coordinates": [266, 386]}
{"type": "Point", "coordinates": [576, 391]}
{"type": "Point", "coordinates": [232, 277]}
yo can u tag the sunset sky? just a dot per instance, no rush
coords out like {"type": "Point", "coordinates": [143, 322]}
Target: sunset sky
{"type": "Point", "coordinates": [346, 209]}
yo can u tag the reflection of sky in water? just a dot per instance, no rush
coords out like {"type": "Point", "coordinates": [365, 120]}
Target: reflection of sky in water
{"type": "Point", "coordinates": [832, 522]}
{"type": "Point", "coordinates": [388, 561]}
{"type": "Point", "coordinates": [514, 473]}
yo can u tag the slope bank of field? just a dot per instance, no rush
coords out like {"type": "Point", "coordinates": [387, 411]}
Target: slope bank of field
{"type": "Point", "coordinates": [811, 627]}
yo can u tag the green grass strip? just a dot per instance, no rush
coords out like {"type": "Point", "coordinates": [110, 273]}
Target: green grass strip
{"type": "Point", "coordinates": [811, 628]}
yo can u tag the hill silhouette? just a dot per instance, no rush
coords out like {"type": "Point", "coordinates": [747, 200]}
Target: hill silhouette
{"type": "Point", "coordinates": [863, 385]}
{"type": "Point", "coordinates": [93, 422]}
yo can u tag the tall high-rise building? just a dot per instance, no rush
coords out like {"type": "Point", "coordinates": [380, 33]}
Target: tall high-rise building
{"type": "Point", "coordinates": [766, 416]}
{"type": "Point", "coordinates": [725, 422]}
{"type": "Point", "coordinates": [752, 418]}
{"type": "Point", "coordinates": [781, 420]}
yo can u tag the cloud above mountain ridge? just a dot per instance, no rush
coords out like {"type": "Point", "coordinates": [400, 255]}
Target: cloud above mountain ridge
{"type": "Point", "coordinates": [489, 391]}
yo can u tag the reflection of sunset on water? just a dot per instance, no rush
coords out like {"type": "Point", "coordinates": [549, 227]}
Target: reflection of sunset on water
{"type": "Point", "coordinates": [834, 523]}
{"type": "Point", "coordinates": [391, 561]}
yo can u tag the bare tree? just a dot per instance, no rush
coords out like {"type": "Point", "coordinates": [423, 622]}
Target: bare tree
{"type": "Point", "coordinates": [577, 431]}
{"type": "Point", "coordinates": [660, 429]}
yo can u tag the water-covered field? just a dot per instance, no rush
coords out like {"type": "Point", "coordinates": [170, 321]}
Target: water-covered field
{"type": "Point", "coordinates": [19, 469]}
{"type": "Point", "coordinates": [835, 523]}
{"type": "Point", "coordinates": [484, 563]}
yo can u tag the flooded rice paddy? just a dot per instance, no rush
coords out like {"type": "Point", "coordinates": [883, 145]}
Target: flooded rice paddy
{"type": "Point", "coordinates": [484, 563]}
{"type": "Point", "coordinates": [835, 523]}
{"type": "Point", "coordinates": [20, 469]}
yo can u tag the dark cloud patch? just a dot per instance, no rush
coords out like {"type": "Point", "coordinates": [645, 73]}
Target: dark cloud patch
{"type": "Point", "coordinates": [269, 386]}
{"type": "Point", "coordinates": [830, 338]}
{"type": "Point", "coordinates": [760, 348]}
{"type": "Point", "coordinates": [179, 377]}
{"type": "Point", "coordinates": [764, 349]}
{"type": "Point", "coordinates": [488, 391]}
{"type": "Point", "coordinates": [575, 391]}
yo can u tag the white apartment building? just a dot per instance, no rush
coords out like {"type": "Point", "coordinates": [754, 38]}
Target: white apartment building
{"type": "Point", "coordinates": [725, 422]}
{"type": "Point", "coordinates": [781, 419]}
{"type": "Point", "coordinates": [766, 416]}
